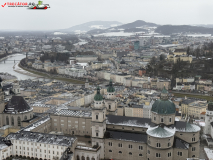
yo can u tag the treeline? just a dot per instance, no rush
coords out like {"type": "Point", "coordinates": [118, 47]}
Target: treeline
{"type": "Point", "coordinates": [205, 50]}
{"type": "Point", "coordinates": [3, 55]}
{"type": "Point", "coordinates": [62, 57]}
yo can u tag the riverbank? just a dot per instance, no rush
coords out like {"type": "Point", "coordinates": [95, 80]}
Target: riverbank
{"type": "Point", "coordinates": [4, 58]}
{"type": "Point", "coordinates": [40, 75]}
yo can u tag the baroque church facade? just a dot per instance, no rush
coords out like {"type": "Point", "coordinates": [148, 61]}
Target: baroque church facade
{"type": "Point", "coordinates": [15, 111]}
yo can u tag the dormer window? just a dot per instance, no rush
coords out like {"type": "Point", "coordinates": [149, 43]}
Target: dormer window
{"type": "Point", "coordinates": [161, 120]}
{"type": "Point", "coordinates": [170, 119]}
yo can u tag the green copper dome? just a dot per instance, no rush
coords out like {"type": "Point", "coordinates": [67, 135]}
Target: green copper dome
{"type": "Point", "coordinates": [163, 107]}
{"type": "Point", "coordinates": [110, 88]}
{"type": "Point", "coordinates": [98, 96]}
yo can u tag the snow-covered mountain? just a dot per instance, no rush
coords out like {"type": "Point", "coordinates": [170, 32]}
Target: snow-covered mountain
{"type": "Point", "coordinates": [92, 25]}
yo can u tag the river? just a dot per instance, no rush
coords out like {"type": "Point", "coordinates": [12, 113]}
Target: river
{"type": "Point", "coordinates": [8, 66]}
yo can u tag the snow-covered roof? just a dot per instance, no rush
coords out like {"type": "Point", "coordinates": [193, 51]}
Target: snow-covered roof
{"type": "Point", "coordinates": [128, 121]}
{"type": "Point", "coordinates": [37, 123]}
{"type": "Point", "coordinates": [186, 127]}
{"type": "Point", "coordinates": [160, 132]}
{"type": "Point", "coordinates": [67, 112]}
{"type": "Point", "coordinates": [60, 140]}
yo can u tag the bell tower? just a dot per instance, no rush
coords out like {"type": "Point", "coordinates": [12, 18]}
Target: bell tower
{"type": "Point", "coordinates": [98, 121]}
{"type": "Point", "coordinates": [110, 101]}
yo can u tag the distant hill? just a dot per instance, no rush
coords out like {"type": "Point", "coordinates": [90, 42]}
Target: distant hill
{"type": "Point", "coordinates": [136, 26]}
{"type": "Point", "coordinates": [92, 25]}
{"type": "Point", "coordinates": [205, 25]}
{"type": "Point", "coordinates": [138, 23]}
{"type": "Point", "coordinates": [170, 29]}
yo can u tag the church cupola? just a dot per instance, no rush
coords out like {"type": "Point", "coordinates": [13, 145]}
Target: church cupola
{"type": "Point", "coordinates": [110, 91]}
{"type": "Point", "coordinates": [98, 99]}
{"type": "Point", "coordinates": [163, 110]}
{"type": "Point", "coordinates": [98, 96]}
{"type": "Point", "coordinates": [164, 94]}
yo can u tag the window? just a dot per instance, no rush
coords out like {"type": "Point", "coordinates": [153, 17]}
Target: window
{"type": "Point", "coordinates": [169, 144]}
{"type": "Point", "coordinates": [130, 146]}
{"type": "Point", "coordinates": [148, 151]}
{"type": "Point", "coordinates": [110, 150]}
{"type": "Point", "coordinates": [193, 148]}
{"type": "Point", "coordinates": [96, 116]}
{"type": "Point", "coordinates": [193, 156]}
{"type": "Point", "coordinates": [157, 154]}
{"type": "Point", "coordinates": [97, 134]}
{"type": "Point", "coordinates": [119, 144]}
{"type": "Point", "coordinates": [19, 121]}
{"type": "Point", "coordinates": [25, 117]}
{"type": "Point", "coordinates": [12, 121]}
{"type": "Point", "coordinates": [158, 144]}
{"type": "Point", "coordinates": [7, 120]}
{"type": "Point", "coordinates": [169, 154]}
{"type": "Point", "coordinates": [119, 152]}
{"type": "Point", "coordinates": [110, 143]}
{"type": "Point", "coordinates": [140, 147]}
{"type": "Point", "coordinates": [161, 120]}
{"type": "Point", "coordinates": [154, 118]}
{"type": "Point", "coordinates": [179, 153]}
{"type": "Point", "coordinates": [140, 155]}
{"type": "Point", "coordinates": [193, 139]}
{"type": "Point", "coordinates": [130, 153]}
{"type": "Point", "coordinates": [170, 119]}
{"type": "Point", "coordinates": [109, 106]}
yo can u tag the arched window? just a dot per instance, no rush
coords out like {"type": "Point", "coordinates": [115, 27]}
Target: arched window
{"type": "Point", "coordinates": [82, 158]}
{"type": "Point", "coordinates": [12, 121]}
{"type": "Point", "coordinates": [88, 158]}
{"type": "Point", "coordinates": [7, 120]}
{"type": "Point", "coordinates": [78, 157]}
{"type": "Point", "coordinates": [25, 117]}
{"type": "Point", "coordinates": [19, 121]}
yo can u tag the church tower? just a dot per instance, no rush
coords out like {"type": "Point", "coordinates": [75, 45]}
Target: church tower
{"type": "Point", "coordinates": [98, 122]}
{"type": "Point", "coordinates": [110, 101]}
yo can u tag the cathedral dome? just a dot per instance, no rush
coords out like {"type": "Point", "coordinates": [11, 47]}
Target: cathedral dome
{"type": "Point", "coordinates": [98, 96]}
{"type": "Point", "coordinates": [110, 88]}
{"type": "Point", "coordinates": [163, 105]}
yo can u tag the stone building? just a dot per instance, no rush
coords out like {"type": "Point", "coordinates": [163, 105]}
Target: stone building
{"type": "Point", "coordinates": [15, 111]}
{"type": "Point", "coordinates": [119, 137]}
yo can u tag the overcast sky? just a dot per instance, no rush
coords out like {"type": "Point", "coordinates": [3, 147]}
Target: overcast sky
{"type": "Point", "coordinates": [67, 13]}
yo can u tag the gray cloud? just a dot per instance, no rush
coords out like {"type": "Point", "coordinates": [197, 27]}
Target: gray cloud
{"type": "Point", "coordinates": [66, 13]}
